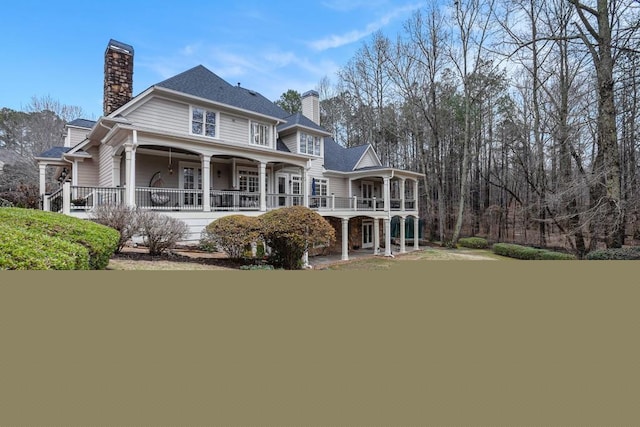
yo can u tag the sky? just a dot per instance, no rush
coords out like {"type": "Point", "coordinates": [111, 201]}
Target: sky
{"type": "Point", "coordinates": [56, 48]}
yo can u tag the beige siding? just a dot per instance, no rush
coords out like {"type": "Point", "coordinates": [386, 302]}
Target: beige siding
{"type": "Point", "coordinates": [291, 141]}
{"type": "Point", "coordinates": [234, 129]}
{"type": "Point", "coordinates": [368, 160]}
{"type": "Point", "coordinates": [76, 136]}
{"type": "Point", "coordinates": [339, 186]}
{"type": "Point", "coordinates": [162, 115]}
{"type": "Point", "coordinates": [147, 166]}
{"type": "Point", "coordinates": [88, 169]}
{"type": "Point", "coordinates": [105, 161]}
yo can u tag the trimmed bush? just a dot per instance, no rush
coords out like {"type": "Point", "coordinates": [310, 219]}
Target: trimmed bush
{"type": "Point", "coordinates": [120, 217]}
{"type": "Point", "coordinates": [232, 234]}
{"type": "Point", "coordinates": [290, 231]}
{"type": "Point", "coordinates": [100, 241]}
{"type": "Point", "coordinates": [160, 232]}
{"type": "Point", "coordinates": [631, 253]}
{"type": "Point", "coordinates": [27, 250]}
{"type": "Point", "coordinates": [528, 253]}
{"type": "Point", "coordinates": [473, 242]}
{"type": "Point", "coordinates": [4, 203]}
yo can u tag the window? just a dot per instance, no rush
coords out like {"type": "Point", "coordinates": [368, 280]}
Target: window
{"type": "Point", "coordinates": [260, 134]}
{"type": "Point", "coordinates": [320, 189]}
{"type": "Point", "coordinates": [296, 188]}
{"type": "Point", "coordinates": [203, 122]}
{"type": "Point", "coordinates": [309, 144]}
{"type": "Point", "coordinates": [249, 180]}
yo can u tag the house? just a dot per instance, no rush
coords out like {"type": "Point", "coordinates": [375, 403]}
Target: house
{"type": "Point", "coordinates": [198, 148]}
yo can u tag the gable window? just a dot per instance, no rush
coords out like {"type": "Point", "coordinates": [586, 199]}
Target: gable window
{"type": "Point", "coordinates": [309, 144]}
{"type": "Point", "coordinates": [203, 122]}
{"type": "Point", "coordinates": [260, 134]}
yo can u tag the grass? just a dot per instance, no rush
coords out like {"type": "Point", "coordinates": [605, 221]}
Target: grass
{"type": "Point", "coordinates": [360, 263]}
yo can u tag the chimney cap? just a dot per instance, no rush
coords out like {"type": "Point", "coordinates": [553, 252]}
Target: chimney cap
{"type": "Point", "coordinates": [311, 93]}
{"type": "Point", "coordinates": [123, 47]}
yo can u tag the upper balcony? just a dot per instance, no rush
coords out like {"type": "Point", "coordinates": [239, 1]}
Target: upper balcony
{"type": "Point", "coordinates": [78, 199]}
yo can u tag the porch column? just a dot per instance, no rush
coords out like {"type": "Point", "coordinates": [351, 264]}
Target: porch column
{"type": "Point", "coordinates": [415, 195]}
{"type": "Point", "coordinates": [115, 171]}
{"type": "Point", "coordinates": [262, 172]}
{"type": "Point", "coordinates": [376, 236]}
{"type": "Point", "coordinates": [387, 194]}
{"type": "Point", "coordinates": [130, 174]}
{"type": "Point", "coordinates": [43, 178]}
{"type": "Point", "coordinates": [416, 234]}
{"type": "Point", "coordinates": [402, 225]}
{"type": "Point", "coordinates": [401, 193]}
{"type": "Point", "coordinates": [74, 173]}
{"type": "Point", "coordinates": [66, 198]}
{"type": "Point", "coordinates": [305, 187]}
{"type": "Point", "coordinates": [345, 239]}
{"type": "Point", "coordinates": [387, 237]}
{"type": "Point", "coordinates": [206, 182]}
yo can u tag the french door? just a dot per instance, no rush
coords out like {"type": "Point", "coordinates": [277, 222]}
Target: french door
{"type": "Point", "coordinates": [191, 179]}
{"type": "Point", "coordinates": [367, 234]}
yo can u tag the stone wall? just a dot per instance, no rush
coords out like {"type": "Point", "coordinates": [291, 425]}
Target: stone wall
{"type": "Point", "coordinates": [118, 77]}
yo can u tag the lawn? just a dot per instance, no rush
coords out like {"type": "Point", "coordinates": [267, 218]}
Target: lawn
{"type": "Point", "coordinates": [196, 260]}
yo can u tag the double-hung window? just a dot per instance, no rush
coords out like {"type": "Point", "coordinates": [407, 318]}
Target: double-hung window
{"type": "Point", "coordinates": [309, 144]}
{"type": "Point", "coordinates": [260, 134]}
{"type": "Point", "coordinates": [204, 122]}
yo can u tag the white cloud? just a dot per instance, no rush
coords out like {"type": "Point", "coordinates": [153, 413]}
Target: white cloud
{"type": "Point", "coordinates": [337, 40]}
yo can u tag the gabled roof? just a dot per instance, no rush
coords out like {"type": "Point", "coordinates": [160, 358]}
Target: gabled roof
{"type": "Point", "coordinates": [54, 152]}
{"type": "Point", "coordinates": [341, 159]}
{"type": "Point", "coordinates": [298, 119]}
{"type": "Point", "coordinates": [201, 82]}
{"type": "Point", "coordinates": [82, 123]}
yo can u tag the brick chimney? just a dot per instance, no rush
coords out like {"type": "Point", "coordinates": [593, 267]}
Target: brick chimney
{"type": "Point", "coordinates": [118, 76]}
{"type": "Point", "coordinates": [311, 106]}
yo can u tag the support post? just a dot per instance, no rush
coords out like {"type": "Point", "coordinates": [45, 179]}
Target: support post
{"type": "Point", "coordinates": [387, 194]}
{"type": "Point", "coordinates": [416, 233]}
{"type": "Point", "coordinates": [345, 239]}
{"type": "Point", "coordinates": [66, 198]}
{"type": "Point", "coordinates": [262, 172]}
{"type": "Point", "coordinates": [387, 237]}
{"type": "Point", "coordinates": [206, 182]}
{"type": "Point", "coordinates": [402, 243]}
{"type": "Point", "coordinates": [43, 179]}
{"type": "Point", "coordinates": [376, 236]}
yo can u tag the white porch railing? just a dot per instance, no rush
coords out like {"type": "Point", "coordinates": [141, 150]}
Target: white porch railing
{"type": "Point", "coordinates": [174, 199]}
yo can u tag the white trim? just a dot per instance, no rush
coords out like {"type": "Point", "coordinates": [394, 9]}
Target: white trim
{"type": "Point", "coordinates": [369, 148]}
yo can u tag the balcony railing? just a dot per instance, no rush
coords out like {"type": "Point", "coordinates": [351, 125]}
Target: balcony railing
{"type": "Point", "coordinates": [174, 199]}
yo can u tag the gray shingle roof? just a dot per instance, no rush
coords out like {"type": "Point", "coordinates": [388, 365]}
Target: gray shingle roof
{"type": "Point", "coordinates": [55, 152]}
{"type": "Point", "coordinates": [339, 158]}
{"type": "Point", "coordinates": [82, 123]}
{"type": "Point", "coordinates": [280, 146]}
{"type": "Point", "coordinates": [300, 120]}
{"type": "Point", "coordinates": [201, 82]}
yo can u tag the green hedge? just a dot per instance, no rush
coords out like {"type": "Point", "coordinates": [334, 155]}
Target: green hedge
{"type": "Point", "coordinates": [528, 253]}
{"type": "Point", "coordinates": [632, 253]}
{"type": "Point", "coordinates": [99, 240]}
{"type": "Point", "coordinates": [473, 242]}
{"type": "Point", "coordinates": [27, 250]}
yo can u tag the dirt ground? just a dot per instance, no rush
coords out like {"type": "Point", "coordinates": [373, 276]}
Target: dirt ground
{"type": "Point", "coordinates": [188, 258]}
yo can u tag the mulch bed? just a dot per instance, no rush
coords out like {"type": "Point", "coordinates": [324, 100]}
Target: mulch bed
{"type": "Point", "coordinates": [178, 255]}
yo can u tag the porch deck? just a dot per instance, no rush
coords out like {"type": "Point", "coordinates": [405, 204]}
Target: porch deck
{"type": "Point", "coordinates": [76, 198]}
